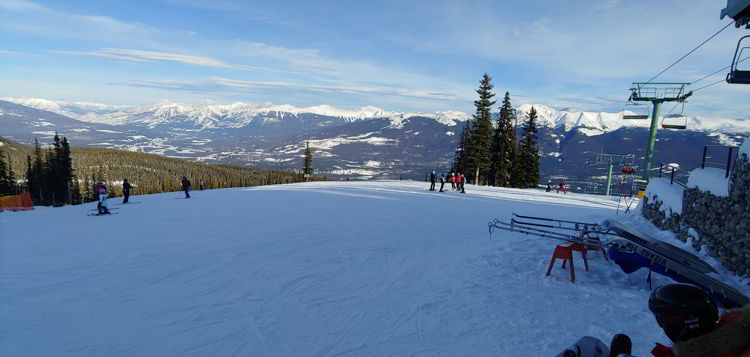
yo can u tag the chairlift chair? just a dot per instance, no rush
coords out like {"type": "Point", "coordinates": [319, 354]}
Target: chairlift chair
{"type": "Point", "coordinates": [640, 111]}
{"type": "Point", "coordinates": [736, 76]}
{"type": "Point", "coordinates": [675, 121]}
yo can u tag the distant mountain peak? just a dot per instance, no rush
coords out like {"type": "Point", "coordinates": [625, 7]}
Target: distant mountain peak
{"type": "Point", "coordinates": [208, 115]}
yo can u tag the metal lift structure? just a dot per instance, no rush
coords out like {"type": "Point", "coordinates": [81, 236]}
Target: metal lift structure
{"type": "Point", "coordinates": [611, 160]}
{"type": "Point", "coordinates": [657, 93]}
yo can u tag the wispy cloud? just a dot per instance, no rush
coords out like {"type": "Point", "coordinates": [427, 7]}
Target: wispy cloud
{"type": "Point", "coordinates": [132, 55]}
{"type": "Point", "coordinates": [229, 84]}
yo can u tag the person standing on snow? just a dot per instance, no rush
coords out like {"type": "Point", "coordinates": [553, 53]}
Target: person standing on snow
{"type": "Point", "coordinates": [549, 185]}
{"type": "Point", "coordinates": [452, 180]}
{"type": "Point", "coordinates": [562, 187]}
{"type": "Point", "coordinates": [461, 182]}
{"type": "Point", "coordinates": [690, 318]}
{"type": "Point", "coordinates": [432, 181]}
{"type": "Point", "coordinates": [125, 191]}
{"type": "Point", "coordinates": [201, 185]}
{"type": "Point", "coordinates": [442, 182]}
{"type": "Point", "coordinates": [101, 191]}
{"type": "Point", "coordinates": [186, 186]}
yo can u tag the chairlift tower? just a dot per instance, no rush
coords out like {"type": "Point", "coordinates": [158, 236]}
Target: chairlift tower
{"type": "Point", "coordinates": [657, 93]}
{"type": "Point", "coordinates": [610, 160]}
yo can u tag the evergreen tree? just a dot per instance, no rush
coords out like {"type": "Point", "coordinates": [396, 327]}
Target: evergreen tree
{"type": "Point", "coordinates": [65, 163]}
{"type": "Point", "coordinates": [479, 146]}
{"type": "Point", "coordinates": [459, 160]}
{"type": "Point", "coordinates": [4, 180]}
{"type": "Point", "coordinates": [307, 169]}
{"type": "Point", "coordinates": [530, 151]}
{"type": "Point", "coordinates": [76, 198]}
{"type": "Point", "coordinates": [37, 173]}
{"type": "Point", "coordinates": [29, 175]}
{"type": "Point", "coordinates": [503, 144]}
{"type": "Point", "coordinates": [12, 184]}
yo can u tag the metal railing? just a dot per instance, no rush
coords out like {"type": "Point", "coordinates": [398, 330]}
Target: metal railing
{"type": "Point", "coordinates": [675, 174]}
{"type": "Point", "coordinates": [719, 156]}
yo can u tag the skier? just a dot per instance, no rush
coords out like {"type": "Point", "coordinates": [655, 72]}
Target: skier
{"type": "Point", "coordinates": [101, 191]}
{"type": "Point", "coordinates": [201, 185]}
{"type": "Point", "coordinates": [690, 318]}
{"type": "Point", "coordinates": [432, 181]}
{"type": "Point", "coordinates": [462, 180]}
{"type": "Point", "coordinates": [442, 182]}
{"type": "Point", "coordinates": [562, 187]}
{"type": "Point", "coordinates": [186, 186]}
{"type": "Point", "coordinates": [452, 179]}
{"type": "Point", "coordinates": [125, 191]}
{"type": "Point", "coordinates": [549, 185]}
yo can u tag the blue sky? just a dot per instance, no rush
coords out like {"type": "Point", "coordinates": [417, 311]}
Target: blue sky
{"type": "Point", "coordinates": [398, 55]}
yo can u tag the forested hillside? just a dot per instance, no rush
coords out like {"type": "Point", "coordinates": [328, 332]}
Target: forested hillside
{"type": "Point", "coordinates": [149, 173]}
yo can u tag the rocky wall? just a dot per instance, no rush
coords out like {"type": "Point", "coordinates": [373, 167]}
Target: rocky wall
{"type": "Point", "coordinates": [722, 224]}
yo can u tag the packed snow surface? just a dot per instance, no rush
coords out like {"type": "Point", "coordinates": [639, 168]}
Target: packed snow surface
{"type": "Point", "coordinates": [313, 269]}
{"type": "Point", "coordinates": [711, 180]}
{"type": "Point", "coordinates": [670, 195]}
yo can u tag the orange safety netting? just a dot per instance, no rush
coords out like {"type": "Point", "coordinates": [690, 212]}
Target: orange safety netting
{"type": "Point", "coordinates": [20, 202]}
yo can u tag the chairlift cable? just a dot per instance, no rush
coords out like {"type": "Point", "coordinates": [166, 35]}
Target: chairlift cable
{"type": "Point", "coordinates": [723, 69]}
{"type": "Point", "coordinates": [691, 51]}
{"type": "Point", "coordinates": [706, 86]}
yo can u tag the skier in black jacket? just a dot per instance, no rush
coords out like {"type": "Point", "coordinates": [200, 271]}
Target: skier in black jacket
{"type": "Point", "coordinates": [432, 181]}
{"type": "Point", "coordinates": [186, 186]}
{"type": "Point", "coordinates": [125, 190]}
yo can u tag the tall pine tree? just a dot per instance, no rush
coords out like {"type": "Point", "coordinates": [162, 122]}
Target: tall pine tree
{"type": "Point", "coordinates": [459, 160]}
{"type": "Point", "coordinates": [66, 171]}
{"type": "Point", "coordinates": [29, 174]}
{"type": "Point", "coordinates": [12, 184]}
{"type": "Point", "coordinates": [529, 151]}
{"type": "Point", "coordinates": [37, 175]}
{"type": "Point", "coordinates": [307, 169]}
{"type": "Point", "coordinates": [503, 146]}
{"type": "Point", "coordinates": [5, 186]}
{"type": "Point", "coordinates": [479, 148]}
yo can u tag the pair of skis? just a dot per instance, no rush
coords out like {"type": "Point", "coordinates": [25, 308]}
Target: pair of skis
{"type": "Point", "coordinates": [587, 233]}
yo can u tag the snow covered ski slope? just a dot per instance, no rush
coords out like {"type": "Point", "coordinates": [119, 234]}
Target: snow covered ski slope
{"type": "Point", "coordinates": [314, 269]}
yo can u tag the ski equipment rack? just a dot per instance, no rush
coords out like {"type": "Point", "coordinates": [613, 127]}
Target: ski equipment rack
{"type": "Point", "coordinates": [630, 249]}
{"type": "Point", "coordinates": [586, 233]}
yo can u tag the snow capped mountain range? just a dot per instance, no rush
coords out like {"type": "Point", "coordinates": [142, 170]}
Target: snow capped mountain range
{"type": "Point", "coordinates": [209, 115]}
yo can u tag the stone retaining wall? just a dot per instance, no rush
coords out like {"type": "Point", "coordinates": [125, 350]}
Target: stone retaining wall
{"type": "Point", "coordinates": [722, 224]}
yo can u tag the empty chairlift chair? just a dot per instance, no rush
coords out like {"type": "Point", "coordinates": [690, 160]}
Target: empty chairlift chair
{"type": "Point", "coordinates": [735, 75]}
{"type": "Point", "coordinates": [637, 111]}
{"type": "Point", "coordinates": [675, 121]}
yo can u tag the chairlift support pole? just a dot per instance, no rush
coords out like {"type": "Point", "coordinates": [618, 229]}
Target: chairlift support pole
{"type": "Point", "coordinates": [669, 92]}
{"type": "Point", "coordinates": [609, 176]}
{"type": "Point", "coordinates": [651, 138]}
{"type": "Point", "coordinates": [610, 160]}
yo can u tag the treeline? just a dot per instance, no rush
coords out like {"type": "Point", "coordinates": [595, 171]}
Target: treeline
{"type": "Point", "coordinates": [492, 154]}
{"type": "Point", "coordinates": [148, 173]}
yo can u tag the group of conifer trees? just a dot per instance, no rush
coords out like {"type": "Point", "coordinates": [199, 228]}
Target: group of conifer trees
{"type": "Point", "coordinates": [58, 175]}
{"type": "Point", "coordinates": [492, 154]}
{"type": "Point", "coordinates": [49, 175]}
{"type": "Point", "coordinates": [8, 184]}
